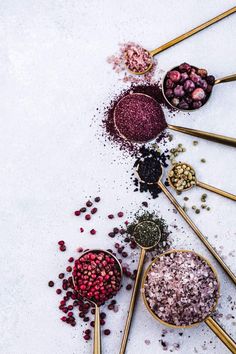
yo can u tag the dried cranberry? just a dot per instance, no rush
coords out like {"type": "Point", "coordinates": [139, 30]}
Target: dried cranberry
{"type": "Point", "coordinates": [50, 283]}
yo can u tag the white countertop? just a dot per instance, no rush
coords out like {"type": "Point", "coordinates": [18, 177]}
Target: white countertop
{"type": "Point", "coordinates": [53, 76]}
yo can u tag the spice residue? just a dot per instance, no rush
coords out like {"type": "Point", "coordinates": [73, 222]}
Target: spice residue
{"type": "Point", "coordinates": [181, 288]}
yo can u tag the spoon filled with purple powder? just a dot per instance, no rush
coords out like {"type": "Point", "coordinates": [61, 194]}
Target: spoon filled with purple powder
{"type": "Point", "coordinates": [149, 170]}
{"type": "Point", "coordinates": [139, 60]}
{"type": "Point", "coordinates": [188, 88]}
{"type": "Point", "coordinates": [180, 289]}
{"type": "Point", "coordinates": [139, 118]}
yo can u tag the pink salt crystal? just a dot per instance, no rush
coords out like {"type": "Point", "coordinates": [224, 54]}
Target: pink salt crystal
{"type": "Point", "coordinates": [136, 58]}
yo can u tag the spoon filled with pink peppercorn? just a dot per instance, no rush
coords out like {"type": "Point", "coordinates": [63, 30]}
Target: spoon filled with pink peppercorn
{"type": "Point", "coordinates": [139, 118]}
{"type": "Point", "coordinates": [147, 235]}
{"type": "Point", "coordinates": [97, 276]}
{"type": "Point", "coordinates": [180, 289]}
{"type": "Point", "coordinates": [138, 60]}
{"type": "Point", "coordinates": [187, 88]}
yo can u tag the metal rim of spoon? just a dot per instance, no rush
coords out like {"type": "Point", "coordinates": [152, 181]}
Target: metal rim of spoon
{"type": "Point", "coordinates": [221, 80]}
{"type": "Point", "coordinates": [97, 326]}
{"type": "Point", "coordinates": [136, 286]}
{"type": "Point", "coordinates": [199, 234]}
{"type": "Point", "coordinates": [221, 139]}
{"type": "Point", "coordinates": [200, 184]}
{"type": "Point", "coordinates": [211, 323]}
{"type": "Point", "coordinates": [185, 36]}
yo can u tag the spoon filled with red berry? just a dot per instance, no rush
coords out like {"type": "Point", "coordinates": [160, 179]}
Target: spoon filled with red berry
{"type": "Point", "coordinates": [97, 276]}
{"type": "Point", "coordinates": [139, 60]}
{"type": "Point", "coordinates": [139, 118]}
{"type": "Point", "coordinates": [187, 88]}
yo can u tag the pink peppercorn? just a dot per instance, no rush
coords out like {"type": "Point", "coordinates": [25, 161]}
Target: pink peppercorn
{"type": "Point", "coordinates": [92, 232]}
{"type": "Point", "coordinates": [71, 259]}
{"type": "Point", "coordinates": [110, 216]}
{"type": "Point", "coordinates": [81, 230]}
{"type": "Point", "coordinates": [87, 217]}
{"type": "Point", "coordinates": [62, 248]}
{"type": "Point", "coordinates": [120, 214]}
{"type": "Point", "coordinates": [61, 243]}
{"type": "Point", "coordinates": [77, 213]}
{"type": "Point", "coordinates": [93, 211]}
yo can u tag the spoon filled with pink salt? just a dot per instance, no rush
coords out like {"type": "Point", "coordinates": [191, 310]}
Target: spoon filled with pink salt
{"type": "Point", "coordinates": [139, 60]}
{"type": "Point", "coordinates": [139, 118]}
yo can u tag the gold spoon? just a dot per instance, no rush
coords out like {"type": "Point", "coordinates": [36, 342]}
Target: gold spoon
{"type": "Point", "coordinates": [183, 37]}
{"type": "Point", "coordinates": [201, 134]}
{"type": "Point", "coordinates": [189, 221]}
{"type": "Point", "coordinates": [153, 241]}
{"type": "Point", "coordinates": [97, 330]}
{"type": "Point", "coordinates": [211, 323]}
{"type": "Point", "coordinates": [196, 182]}
{"type": "Point", "coordinates": [221, 80]}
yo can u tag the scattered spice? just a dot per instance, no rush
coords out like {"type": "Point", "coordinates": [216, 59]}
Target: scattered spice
{"type": "Point", "coordinates": [187, 87]}
{"type": "Point", "coordinates": [186, 285]}
{"type": "Point", "coordinates": [182, 176]}
{"type": "Point", "coordinates": [203, 160]}
{"type": "Point", "coordinates": [50, 283]}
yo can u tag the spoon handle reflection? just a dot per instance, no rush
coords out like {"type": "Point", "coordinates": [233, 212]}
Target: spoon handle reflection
{"type": "Point", "coordinates": [197, 231]}
{"type": "Point", "coordinates": [221, 334]}
{"type": "Point", "coordinates": [216, 190]}
{"type": "Point", "coordinates": [205, 135]}
{"type": "Point", "coordinates": [225, 79]}
{"type": "Point", "coordinates": [97, 332]}
{"type": "Point", "coordinates": [132, 302]}
{"type": "Point", "coordinates": [193, 31]}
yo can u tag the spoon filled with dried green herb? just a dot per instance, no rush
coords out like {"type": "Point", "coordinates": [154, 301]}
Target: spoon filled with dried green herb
{"type": "Point", "coordinates": [147, 235]}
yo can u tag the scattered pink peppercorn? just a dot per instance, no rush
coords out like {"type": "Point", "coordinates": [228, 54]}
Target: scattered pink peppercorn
{"type": "Point", "coordinates": [63, 318]}
{"type": "Point", "coordinates": [93, 211]}
{"type": "Point", "coordinates": [87, 337]}
{"type": "Point", "coordinates": [50, 283]}
{"type": "Point", "coordinates": [69, 269]}
{"type": "Point", "coordinates": [61, 243]}
{"type": "Point", "coordinates": [89, 203]}
{"type": "Point", "coordinates": [80, 249]}
{"type": "Point", "coordinates": [128, 287]}
{"type": "Point", "coordinates": [110, 216]}
{"type": "Point", "coordinates": [83, 210]}
{"type": "Point", "coordinates": [61, 275]}
{"type": "Point", "coordinates": [97, 199]}
{"type": "Point", "coordinates": [87, 217]}
{"type": "Point", "coordinates": [71, 259]}
{"type": "Point", "coordinates": [107, 332]}
{"type": "Point", "coordinates": [58, 291]}
{"type": "Point", "coordinates": [77, 213]}
{"type": "Point", "coordinates": [62, 248]}
{"type": "Point", "coordinates": [92, 232]}
{"type": "Point", "coordinates": [120, 214]}
{"type": "Point", "coordinates": [81, 229]}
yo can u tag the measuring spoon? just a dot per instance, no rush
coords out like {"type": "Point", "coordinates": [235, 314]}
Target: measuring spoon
{"type": "Point", "coordinates": [183, 37]}
{"type": "Point", "coordinates": [147, 112]}
{"type": "Point", "coordinates": [190, 173]}
{"type": "Point", "coordinates": [97, 330]}
{"type": "Point", "coordinates": [221, 80]}
{"type": "Point", "coordinates": [151, 240]}
{"type": "Point", "coordinates": [171, 198]}
{"type": "Point", "coordinates": [211, 323]}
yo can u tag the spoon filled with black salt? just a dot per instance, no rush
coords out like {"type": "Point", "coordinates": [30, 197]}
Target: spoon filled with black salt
{"type": "Point", "coordinates": [150, 172]}
{"type": "Point", "coordinates": [147, 235]}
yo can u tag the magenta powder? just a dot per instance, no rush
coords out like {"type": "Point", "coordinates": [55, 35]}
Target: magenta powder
{"type": "Point", "coordinates": [181, 288]}
{"type": "Point", "coordinates": [139, 118]}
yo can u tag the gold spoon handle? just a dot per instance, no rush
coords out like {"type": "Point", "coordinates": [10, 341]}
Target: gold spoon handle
{"type": "Point", "coordinates": [226, 79]}
{"type": "Point", "coordinates": [132, 301]}
{"type": "Point", "coordinates": [216, 190]}
{"type": "Point", "coordinates": [197, 231]}
{"type": "Point", "coordinates": [193, 31]}
{"type": "Point", "coordinates": [97, 332]}
{"type": "Point", "coordinates": [220, 333]}
{"type": "Point", "coordinates": [221, 139]}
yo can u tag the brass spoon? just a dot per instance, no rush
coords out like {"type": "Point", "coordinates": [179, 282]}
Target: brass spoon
{"type": "Point", "coordinates": [97, 330]}
{"type": "Point", "coordinates": [211, 323]}
{"type": "Point", "coordinates": [154, 240]}
{"type": "Point", "coordinates": [190, 222]}
{"type": "Point", "coordinates": [221, 80]}
{"type": "Point", "coordinates": [201, 134]}
{"type": "Point", "coordinates": [198, 183]}
{"type": "Point", "coordinates": [184, 36]}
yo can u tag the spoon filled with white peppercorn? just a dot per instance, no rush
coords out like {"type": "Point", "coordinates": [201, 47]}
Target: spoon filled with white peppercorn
{"type": "Point", "coordinates": [150, 172]}
{"type": "Point", "coordinates": [182, 177]}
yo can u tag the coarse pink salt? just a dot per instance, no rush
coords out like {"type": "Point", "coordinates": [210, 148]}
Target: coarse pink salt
{"type": "Point", "coordinates": [139, 118]}
{"type": "Point", "coordinates": [136, 58]}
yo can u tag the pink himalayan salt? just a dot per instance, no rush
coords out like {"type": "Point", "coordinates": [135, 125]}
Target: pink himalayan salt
{"type": "Point", "coordinates": [137, 59]}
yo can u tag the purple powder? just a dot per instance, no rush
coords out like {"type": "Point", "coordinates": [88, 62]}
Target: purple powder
{"type": "Point", "coordinates": [181, 288]}
{"type": "Point", "coordinates": [139, 118]}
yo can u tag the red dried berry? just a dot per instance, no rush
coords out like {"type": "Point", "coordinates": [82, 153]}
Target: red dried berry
{"type": "Point", "coordinates": [87, 337]}
{"type": "Point", "coordinates": [63, 318]}
{"type": "Point", "coordinates": [61, 243]}
{"type": "Point", "coordinates": [71, 259]}
{"type": "Point", "coordinates": [107, 332]}
{"type": "Point", "coordinates": [80, 249]}
{"type": "Point", "coordinates": [69, 269]}
{"type": "Point", "coordinates": [120, 214]}
{"type": "Point", "coordinates": [50, 283]}
{"type": "Point", "coordinates": [97, 199]}
{"type": "Point", "coordinates": [81, 230]}
{"type": "Point", "coordinates": [110, 216]}
{"type": "Point", "coordinates": [92, 232]}
{"type": "Point", "coordinates": [94, 210]}
{"type": "Point", "coordinates": [87, 217]}
{"type": "Point", "coordinates": [70, 314]}
{"type": "Point", "coordinates": [83, 210]}
{"type": "Point", "coordinates": [61, 275]}
{"type": "Point", "coordinates": [89, 204]}
{"type": "Point", "coordinates": [58, 291]}
{"type": "Point", "coordinates": [77, 213]}
{"type": "Point", "coordinates": [62, 248]}
{"type": "Point", "coordinates": [87, 331]}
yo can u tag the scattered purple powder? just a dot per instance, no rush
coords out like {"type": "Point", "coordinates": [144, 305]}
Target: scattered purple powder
{"type": "Point", "coordinates": [139, 118]}
{"type": "Point", "coordinates": [181, 288]}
